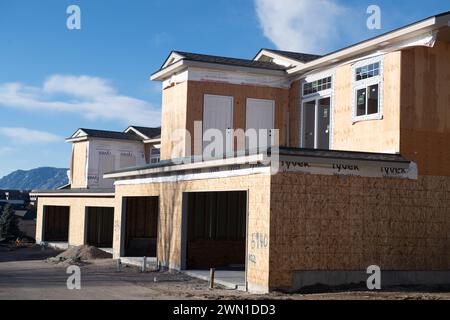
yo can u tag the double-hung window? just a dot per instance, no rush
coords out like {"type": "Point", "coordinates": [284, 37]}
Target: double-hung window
{"type": "Point", "coordinates": [368, 90]}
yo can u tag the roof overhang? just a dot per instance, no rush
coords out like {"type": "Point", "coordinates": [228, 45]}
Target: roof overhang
{"type": "Point", "coordinates": [156, 140]}
{"type": "Point", "coordinates": [264, 52]}
{"type": "Point", "coordinates": [378, 43]}
{"type": "Point", "coordinates": [183, 64]}
{"type": "Point", "coordinates": [257, 158]}
{"type": "Point", "coordinates": [78, 135]}
{"type": "Point", "coordinates": [136, 131]}
{"type": "Point", "coordinates": [74, 193]}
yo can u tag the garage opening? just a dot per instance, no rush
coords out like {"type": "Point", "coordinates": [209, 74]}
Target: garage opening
{"type": "Point", "coordinates": [100, 226]}
{"type": "Point", "coordinates": [141, 226]}
{"type": "Point", "coordinates": [216, 230]}
{"type": "Point", "coordinates": [56, 223]}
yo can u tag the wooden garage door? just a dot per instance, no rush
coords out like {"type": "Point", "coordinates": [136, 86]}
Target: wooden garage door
{"type": "Point", "coordinates": [56, 223]}
{"type": "Point", "coordinates": [100, 225]}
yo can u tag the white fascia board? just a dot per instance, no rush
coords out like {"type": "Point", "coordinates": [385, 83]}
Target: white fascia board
{"type": "Point", "coordinates": [131, 128]}
{"type": "Point", "coordinates": [182, 64]}
{"type": "Point", "coordinates": [174, 56]}
{"type": "Point", "coordinates": [158, 140]}
{"type": "Point", "coordinates": [196, 176]}
{"type": "Point", "coordinates": [187, 166]}
{"type": "Point", "coordinates": [273, 55]}
{"type": "Point", "coordinates": [168, 71]}
{"type": "Point", "coordinates": [369, 45]}
{"type": "Point", "coordinates": [72, 195]}
{"type": "Point", "coordinates": [77, 139]}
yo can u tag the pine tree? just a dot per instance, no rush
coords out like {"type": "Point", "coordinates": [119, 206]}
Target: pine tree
{"type": "Point", "coordinates": [8, 223]}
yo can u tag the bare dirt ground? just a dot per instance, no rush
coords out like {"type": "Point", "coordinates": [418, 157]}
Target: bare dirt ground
{"type": "Point", "coordinates": [25, 274]}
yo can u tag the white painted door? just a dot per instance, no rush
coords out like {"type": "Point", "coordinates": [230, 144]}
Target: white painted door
{"type": "Point", "coordinates": [260, 114]}
{"type": "Point", "coordinates": [217, 114]}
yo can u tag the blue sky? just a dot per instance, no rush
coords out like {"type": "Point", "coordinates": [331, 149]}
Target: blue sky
{"type": "Point", "coordinates": [54, 80]}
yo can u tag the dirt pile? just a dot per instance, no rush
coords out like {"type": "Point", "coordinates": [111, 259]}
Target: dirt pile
{"type": "Point", "coordinates": [81, 253]}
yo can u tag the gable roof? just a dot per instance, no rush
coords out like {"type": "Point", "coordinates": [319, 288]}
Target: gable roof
{"type": "Point", "coordinates": [299, 63]}
{"type": "Point", "coordinates": [147, 133]}
{"type": "Point", "coordinates": [83, 133]}
{"type": "Point", "coordinates": [178, 60]}
{"type": "Point", "coordinates": [302, 57]}
{"type": "Point", "coordinates": [228, 61]}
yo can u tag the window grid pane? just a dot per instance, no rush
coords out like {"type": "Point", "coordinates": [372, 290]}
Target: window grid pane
{"type": "Point", "coordinates": [372, 99]}
{"type": "Point", "coordinates": [368, 71]}
{"type": "Point", "coordinates": [316, 86]}
{"type": "Point", "coordinates": [361, 102]}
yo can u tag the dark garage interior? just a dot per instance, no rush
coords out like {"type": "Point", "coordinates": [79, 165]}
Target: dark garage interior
{"type": "Point", "coordinates": [216, 229]}
{"type": "Point", "coordinates": [56, 223]}
{"type": "Point", "coordinates": [100, 226]}
{"type": "Point", "coordinates": [141, 226]}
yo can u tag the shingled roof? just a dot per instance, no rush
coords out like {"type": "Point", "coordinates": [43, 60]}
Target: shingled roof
{"type": "Point", "coordinates": [229, 61]}
{"type": "Point", "coordinates": [104, 134]}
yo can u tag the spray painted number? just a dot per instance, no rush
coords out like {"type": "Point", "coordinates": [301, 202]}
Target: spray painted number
{"type": "Point", "coordinates": [259, 240]}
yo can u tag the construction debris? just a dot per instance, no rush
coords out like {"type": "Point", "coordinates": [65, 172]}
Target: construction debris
{"type": "Point", "coordinates": [81, 253]}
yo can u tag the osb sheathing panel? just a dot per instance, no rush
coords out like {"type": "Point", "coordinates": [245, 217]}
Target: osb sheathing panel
{"type": "Point", "coordinates": [169, 230]}
{"type": "Point", "coordinates": [240, 93]}
{"type": "Point", "coordinates": [79, 158]}
{"type": "Point", "coordinates": [374, 135]}
{"type": "Point", "coordinates": [173, 118]}
{"type": "Point", "coordinates": [349, 223]}
{"type": "Point", "coordinates": [76, 215]}
{"type": "Point", "coordinates": [294, 115]}
{"type": "Point", "coordinates": [425, 108]}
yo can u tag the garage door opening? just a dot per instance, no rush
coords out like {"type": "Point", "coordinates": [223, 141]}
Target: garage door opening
{"type": "Point", "coordinates": [141, 226]}
{"type": "Point", "coordinates": [216, 230]}
{"type": "Point", "coordinates": [56, 223]}
{"type": "Point", "coordinates": [100, 226]}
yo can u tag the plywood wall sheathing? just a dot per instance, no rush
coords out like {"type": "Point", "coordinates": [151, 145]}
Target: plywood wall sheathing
{"type": "Point", "coordinates": [425, 108]}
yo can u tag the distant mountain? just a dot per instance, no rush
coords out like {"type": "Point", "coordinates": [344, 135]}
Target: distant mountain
{"type": "Point", "coordinates": [45, 178]}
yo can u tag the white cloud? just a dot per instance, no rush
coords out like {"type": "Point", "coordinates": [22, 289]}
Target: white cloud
{"type": "Point", "coordinates": [305, 26]}
{"type": "Point", "coordinates": [92, 97]}
{"type": "Point", "coordinates": [25, 135]}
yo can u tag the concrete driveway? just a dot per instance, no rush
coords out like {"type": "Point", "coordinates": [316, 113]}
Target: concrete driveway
{"type": "Point", "coordinates": [25, 275]}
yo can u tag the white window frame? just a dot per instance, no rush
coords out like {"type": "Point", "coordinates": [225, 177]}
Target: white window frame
{"type": "Point", "coordinates": [365, 84]}
{"type": "Point", "coordinates": [328, 93]}
{"type": "Point", "coordinates": [155, 158]}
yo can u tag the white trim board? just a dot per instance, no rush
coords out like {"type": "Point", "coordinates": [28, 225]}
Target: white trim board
{"type": "Point", "coordinates": [197, 176]}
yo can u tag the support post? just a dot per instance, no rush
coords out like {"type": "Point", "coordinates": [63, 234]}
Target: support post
{"type": "Point", "coordinates": [119, 265]}
{"type": "Point", "coordinates": [144, 264]}
{"type": "Point", "coordinates": [211, 278]}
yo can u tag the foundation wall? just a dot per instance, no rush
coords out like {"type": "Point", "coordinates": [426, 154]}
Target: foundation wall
{"type": "Point", "coordinates": [170, 219]}
{"type": "Point", "coordinates": [76, 217]}
{"type": "Point", "coordinates": [331, 223]}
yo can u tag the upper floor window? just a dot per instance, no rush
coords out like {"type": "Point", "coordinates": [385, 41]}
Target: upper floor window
{"type": "Point", "coordinates": [155, 154]}
{"type": "Point", "coordinates": [368, 90]}
{"type": "Point", "coordinates": [316, 86]}
{"type": "Point", "coordinates": [368, 71]}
